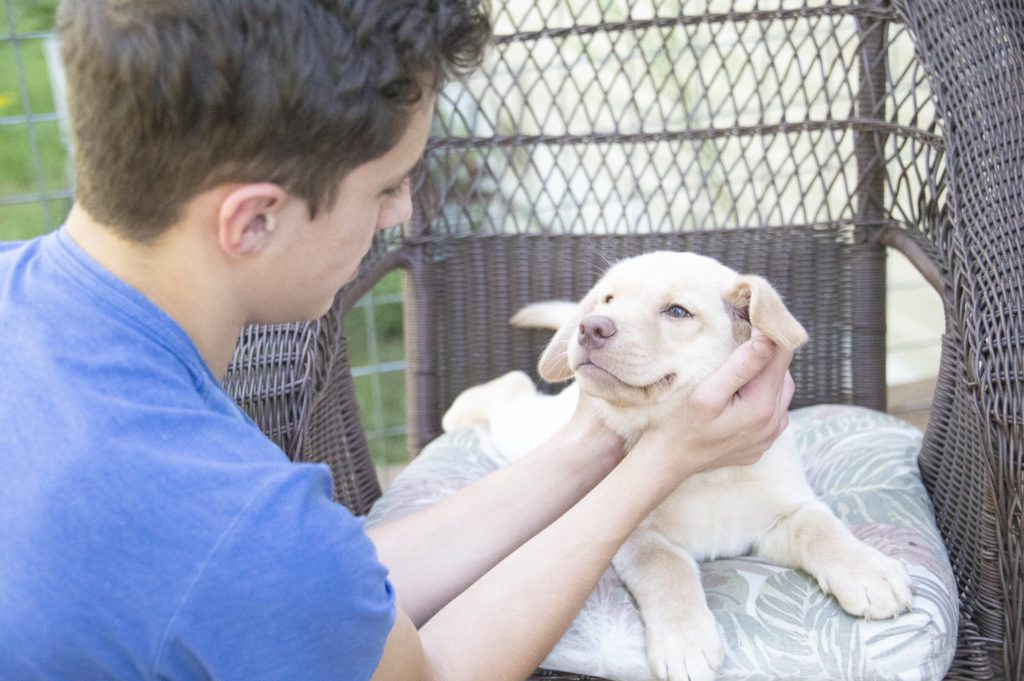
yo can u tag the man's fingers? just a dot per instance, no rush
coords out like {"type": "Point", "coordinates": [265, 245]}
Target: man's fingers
{"type": "Point", "coordinates": [786, 396]}
{"type": "Point", "coordinates": [769, 383]}
{"type": "Point", "coordinates": [746, 362]}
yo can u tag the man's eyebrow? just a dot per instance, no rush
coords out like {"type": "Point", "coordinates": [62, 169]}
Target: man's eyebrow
{"type": "Point", "coordinates": [407, 173]}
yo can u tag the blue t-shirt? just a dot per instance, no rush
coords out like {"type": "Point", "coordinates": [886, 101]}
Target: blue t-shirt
{"type": "Point", "coordinates": [148, 529]}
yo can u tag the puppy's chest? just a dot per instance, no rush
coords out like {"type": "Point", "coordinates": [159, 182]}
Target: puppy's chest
{"type": "Point", "coordinates": [723, 512]}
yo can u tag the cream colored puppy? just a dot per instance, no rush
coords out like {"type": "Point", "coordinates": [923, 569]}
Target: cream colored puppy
{"type": "Point", "coordinates": [649, 331]}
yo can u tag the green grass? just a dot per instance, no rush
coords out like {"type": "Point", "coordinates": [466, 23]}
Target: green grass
{"type": "Point", "coordinates": [30, 16]}
{"type": "Point", "coordinates": [22, 174]}
{"type": "Point", "coordinates": [381, 397]}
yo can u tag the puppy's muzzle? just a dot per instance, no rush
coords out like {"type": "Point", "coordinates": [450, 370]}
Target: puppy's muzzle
{"type": "Point", "coordinates": [595, 332]}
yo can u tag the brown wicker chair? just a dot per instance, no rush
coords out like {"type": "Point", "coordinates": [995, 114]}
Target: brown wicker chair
{"type": "Point", "coordinates": [794, 138]}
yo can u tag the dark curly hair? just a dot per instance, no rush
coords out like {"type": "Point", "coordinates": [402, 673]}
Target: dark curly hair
{"type": "Point", "coordinates": [169, 98]}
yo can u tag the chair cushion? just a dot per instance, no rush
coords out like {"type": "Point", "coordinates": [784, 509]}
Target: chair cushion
{"type": "Point", "coordinates": [776, 623]}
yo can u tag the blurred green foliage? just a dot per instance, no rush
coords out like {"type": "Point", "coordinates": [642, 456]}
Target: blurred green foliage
{"type": "Point", "coordinates": [31, 16]}
{"type": "Point", "coordinates": [25, 91]}
{"type": "Point", "coordinates": [375, 334]}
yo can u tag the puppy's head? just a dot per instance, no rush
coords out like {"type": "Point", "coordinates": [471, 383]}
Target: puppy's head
{"type": "Point", "coordinates": [657, 324]}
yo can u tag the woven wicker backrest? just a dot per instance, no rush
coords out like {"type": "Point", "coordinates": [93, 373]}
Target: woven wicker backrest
{"type": "Point", "coordinates": [598, 131]}
{"type": "Point", "coordinates": [792, 138]}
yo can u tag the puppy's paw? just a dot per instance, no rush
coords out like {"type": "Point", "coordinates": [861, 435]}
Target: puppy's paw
{"type": "Point", "coordinates": [685, 649]}
{"type": "Point", "coordinates": [867, 583]}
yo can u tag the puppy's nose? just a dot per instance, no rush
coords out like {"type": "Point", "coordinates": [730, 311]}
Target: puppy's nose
{"type": "Point", "coordinates": [595, 331]}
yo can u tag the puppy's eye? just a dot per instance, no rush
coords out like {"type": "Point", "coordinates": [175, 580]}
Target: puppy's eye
{"type": "Point", "coordinates": [678, 311]}
{"type": "Point", "coordinates": [608, 298]}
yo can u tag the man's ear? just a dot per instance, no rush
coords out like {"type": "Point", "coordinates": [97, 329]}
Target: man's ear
{"type": "Point", "coordinates": [554, 361]}
{"type": "Point", "coordinates": [248, 216]}
{"type": "Point", "coordinates": [754, 300]}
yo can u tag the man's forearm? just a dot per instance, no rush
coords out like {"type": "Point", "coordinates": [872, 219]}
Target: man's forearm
{"type": "Point", "coordinates": [531, 597]}
{"type": "Point", "coordinates": [435, 554]}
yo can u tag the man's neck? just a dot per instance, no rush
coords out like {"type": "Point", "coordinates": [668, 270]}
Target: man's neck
{"type": "Point", "coordinates": [176, 274]}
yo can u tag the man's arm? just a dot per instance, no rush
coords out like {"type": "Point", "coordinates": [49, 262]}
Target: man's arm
{"type": "Point", "coordinates": [505, 622]}
{"type": "Point", "coordinates": [503, 625]}
{"type": "Point", "coordinates": [435, 554]}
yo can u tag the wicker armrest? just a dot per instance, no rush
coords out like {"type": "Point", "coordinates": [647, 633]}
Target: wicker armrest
{"type": "Point", "coordinates": [295, 381]}
{"type": "Point", "coordinates": [973, 459]}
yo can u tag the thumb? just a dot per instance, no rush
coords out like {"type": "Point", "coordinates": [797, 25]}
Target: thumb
{"type": "Point", "coordinates": [740, 368]}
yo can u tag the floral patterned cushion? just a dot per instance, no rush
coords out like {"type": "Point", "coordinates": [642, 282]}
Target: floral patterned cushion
{"type": "Point", "coordinates": [775, 622]}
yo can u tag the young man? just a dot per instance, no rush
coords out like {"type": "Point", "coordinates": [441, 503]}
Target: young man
{"type": "Point", "coordinates": [234, 160]}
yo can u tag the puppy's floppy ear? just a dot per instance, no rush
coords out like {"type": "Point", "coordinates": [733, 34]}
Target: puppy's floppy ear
{"type": "Point", "coordinates": [554, 361]}
{"type": "Point", "coordinates": [755, 301]}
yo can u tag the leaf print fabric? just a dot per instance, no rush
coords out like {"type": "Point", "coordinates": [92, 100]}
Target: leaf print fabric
{"type": "Point", "coordinates": [775, 622]}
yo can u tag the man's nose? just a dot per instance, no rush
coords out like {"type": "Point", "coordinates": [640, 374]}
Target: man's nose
{"type": "Point", "coordinates": [595, 331]}
{"type": "Point", "coordinates": [398, 212]}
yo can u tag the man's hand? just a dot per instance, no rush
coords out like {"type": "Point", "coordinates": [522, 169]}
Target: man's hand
{"type": "Point", "coordinates": [733, 416]}
{"type": "Point", "coordinates": [606, 447]}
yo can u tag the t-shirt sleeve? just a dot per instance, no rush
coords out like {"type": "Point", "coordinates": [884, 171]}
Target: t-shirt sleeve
{"type": "Point", "coordinates": [292, 590]}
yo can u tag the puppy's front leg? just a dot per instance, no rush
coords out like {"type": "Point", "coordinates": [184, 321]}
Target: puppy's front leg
{"type": "Point", "coordinates": [682, 641]}
{"type": "Point", "coordinates": [866, 582]}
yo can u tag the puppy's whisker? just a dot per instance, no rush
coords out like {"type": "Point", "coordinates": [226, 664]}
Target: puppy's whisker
{"type": "Point", "coordinates": [607, 260]}
{"type": "Point", "coordinates": [596, 268]}
{"type": "Point", "coordinates": [592, 266]}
